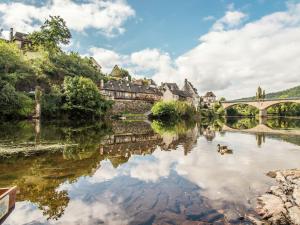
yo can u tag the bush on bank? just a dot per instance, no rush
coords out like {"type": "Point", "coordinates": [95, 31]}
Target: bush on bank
{"type": "Point", "coordinates": [172, 110]}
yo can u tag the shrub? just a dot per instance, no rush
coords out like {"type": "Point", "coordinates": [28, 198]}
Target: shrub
{"type": "Point", "coordinates": [165, 110]}
{"type": "Point", "coordinates": [14, 104]}
{"type": "Point", "coordinates": [172, 110]}
{"type": "Point", "coordinates": [82, 98]}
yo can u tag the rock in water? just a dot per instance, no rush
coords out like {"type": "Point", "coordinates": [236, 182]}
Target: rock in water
{"type": "Point", "coordinates": [281, 205]}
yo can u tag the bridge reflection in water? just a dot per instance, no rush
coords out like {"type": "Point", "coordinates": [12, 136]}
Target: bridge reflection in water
{"type": "Point", "coordinates": [262, 128]}
{"type": "Point", "coordinates": [283, 128]}
{"type": "Point", "coordinates": [54, 183]}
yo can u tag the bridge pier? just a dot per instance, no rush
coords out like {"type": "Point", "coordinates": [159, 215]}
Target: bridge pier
{"type": "Point", "coordinates": [262, 113]}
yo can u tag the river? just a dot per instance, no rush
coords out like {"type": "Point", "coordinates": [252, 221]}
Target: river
{"type": "Point", "coordinates": [136, 172]}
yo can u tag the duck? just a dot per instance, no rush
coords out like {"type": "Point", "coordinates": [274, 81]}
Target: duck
{"type": "Point", "coordinates": [223, 149]}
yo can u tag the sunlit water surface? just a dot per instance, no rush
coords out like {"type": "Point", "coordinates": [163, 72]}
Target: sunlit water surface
{"type": "Point", "coordinates": [137, 173]}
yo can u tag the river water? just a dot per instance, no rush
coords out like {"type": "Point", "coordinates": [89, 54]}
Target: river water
{"type": "Point", "coordinates": [135, 172]}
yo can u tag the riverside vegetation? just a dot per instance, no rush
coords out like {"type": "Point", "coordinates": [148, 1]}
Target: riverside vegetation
{"type": "Point", "coordinates": [69, 81]}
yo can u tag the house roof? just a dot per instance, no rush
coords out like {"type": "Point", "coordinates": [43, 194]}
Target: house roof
{"type": "Point", "coordinates": [116, 72]}
{"type": "Point", "coordinates": [181, 93]}
{"type": "Point", "coordinates": [151, 82]}
{"type": "Point", "coordinates": [171, 86]}
{"type": "Point", "coordinates": [186, 88]}
{"type": "Point", "coordinates": [20, 36]}
{"type": "Point", "coordinates": [94, 61]}
{"type": "Point", "coordinates": [209, 94]}
{"type": "Point", "coordinates": [126, 86]}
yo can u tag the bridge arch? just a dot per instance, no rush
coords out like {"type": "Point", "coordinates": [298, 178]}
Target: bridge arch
{"type": "Point", "coordinates": [229, 105]}
{"type": "Point", "coordinates": [261, 105]}
{"type": "Point", "coordinates": [270, 104]}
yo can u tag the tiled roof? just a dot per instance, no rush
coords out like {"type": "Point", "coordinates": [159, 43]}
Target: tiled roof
{"type": "Point", "coordinates": [190, 84]}
{"type": "Point", "coordinates": [172, 86]}
{"type": "Point", "coordinates": [20, 36]}
{"type": "Point", "coordinates": [209, 94]}
{"type": "Point", "coordinates": [126, 86]}
{"type": "Point", "coordinates": [181, 93]}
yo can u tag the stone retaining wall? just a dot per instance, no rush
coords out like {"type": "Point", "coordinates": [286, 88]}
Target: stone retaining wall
{"type": "Point", "coordinates": [130, 106]}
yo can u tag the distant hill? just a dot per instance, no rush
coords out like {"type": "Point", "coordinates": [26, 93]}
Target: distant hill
{"type": "Point", "coordinates": [289, 93]}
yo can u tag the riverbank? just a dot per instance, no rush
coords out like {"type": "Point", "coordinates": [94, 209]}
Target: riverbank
{"type": "Point", "coordinates": [281, 204]}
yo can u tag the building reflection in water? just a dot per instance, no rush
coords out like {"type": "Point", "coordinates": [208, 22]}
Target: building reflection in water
{"type": "Point", "coordinates": [208, 133]}
{"type": "Point", "coordinates": [39, 177]}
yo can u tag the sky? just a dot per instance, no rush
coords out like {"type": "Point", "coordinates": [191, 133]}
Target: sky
{"type": "Point", "coordinates": [226, 46]}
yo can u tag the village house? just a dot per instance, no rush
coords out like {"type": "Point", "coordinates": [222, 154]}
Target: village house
{"type": "Point", "coordinates": [126, 90]}
{"type": "Point", "coordinates": [20, 39]}
{"type": "Point", "coordinates": [209, 99]}
{"type": "Point", "coordinates": [145, 81]}
{"type": "Point", "coordinates": [95, 64]}
{"type": "Point", "coordinates": [171, 92]}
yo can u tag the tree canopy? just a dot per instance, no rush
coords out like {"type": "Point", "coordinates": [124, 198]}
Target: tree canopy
{"type": "Point", "coordinates": [54, 32]}
{"type": "Point", "coordinates": [82, 97]}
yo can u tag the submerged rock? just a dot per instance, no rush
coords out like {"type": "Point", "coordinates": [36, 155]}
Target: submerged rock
{"type": "Point", "coordinates": [281, 205]}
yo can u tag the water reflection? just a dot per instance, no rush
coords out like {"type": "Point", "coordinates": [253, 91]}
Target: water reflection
{"type": "Point", "coordinates": [141, 173]}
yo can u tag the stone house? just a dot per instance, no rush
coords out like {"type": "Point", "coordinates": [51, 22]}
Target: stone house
{"type": "Point", "coordinates": [209, 99]}
{"type": "Point", "coordinates": [95, 64]}
{"type": "Point", "coordinates": [126, 90]}
{"type": "Point", "coordinates": [20, 39]}
{"type": "Point", "coordinates": [188, 93]}
{"type": "Point", "coordinates": [189, 88]}
{"type": "Point", "coordinates": [148, 82]}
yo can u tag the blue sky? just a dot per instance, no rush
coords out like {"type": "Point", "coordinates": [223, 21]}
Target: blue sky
{"type": "Point", "coordinates": [175, 26]}
{"type": "Point", "coordinates": [227, 46]}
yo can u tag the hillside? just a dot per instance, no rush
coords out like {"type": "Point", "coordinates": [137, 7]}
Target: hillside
{"type": "Point", "coordinates": [288, 93]}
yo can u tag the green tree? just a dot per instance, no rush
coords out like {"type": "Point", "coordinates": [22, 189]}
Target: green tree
{"type": "Point", "coordinates": [53, 33]}
{"type": "Point", "coordinates": [260, 94]}
{"type": "Point", "coordinates": [13, 69]}
{"type": "Point", "coordinates": [172, 110]}
{"type": "Point", "coordinates": [14, 104]}
{"type": "Point", "coordinates": [72, 64]}
{"type": "Point", "coordinates": [12, 62]}
{"type": "Point", "coordinates": [165, 110]}
{"type": "Point", "coordinates": [82, 98]}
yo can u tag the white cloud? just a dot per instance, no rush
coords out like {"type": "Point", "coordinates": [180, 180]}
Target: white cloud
{"type": "Point", "coordinates": [208, 18]}
{"type": "Point", "coordinates": [230, 20]}
{"type": "Point", "coordinates": [77, 212]}
{"type": "Point", "coordinates": [105, 16]}
{"type": "Point", "coordinates": [231, 60]}
{"type": "Point", "coordinates": [107, 58]}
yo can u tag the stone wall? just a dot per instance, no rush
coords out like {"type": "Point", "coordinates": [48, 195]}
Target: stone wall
{"type": "Point", "coordinates": [130, 106]}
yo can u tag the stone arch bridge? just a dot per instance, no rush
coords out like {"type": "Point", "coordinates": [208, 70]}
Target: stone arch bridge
{"type": "Point", "coordinates": [262, 105]}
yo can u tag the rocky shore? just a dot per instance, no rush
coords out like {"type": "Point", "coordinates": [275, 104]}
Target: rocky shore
{"type": "Point", "coordinates": [281, 204]}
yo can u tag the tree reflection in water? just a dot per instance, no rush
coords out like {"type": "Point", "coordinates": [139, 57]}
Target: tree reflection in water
{"type": "Point", "coordinates": [39, 177]}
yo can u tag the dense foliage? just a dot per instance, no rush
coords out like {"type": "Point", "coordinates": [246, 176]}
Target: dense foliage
{"type": "Point", "coordinates": [82, 98]}
{"type": "Point", "coordinates": [13, 69]}
{"type": "Point", "coordinates": [172, 110]}
{"type": "Point", "coordinates": [68, 80]}
{"type": "Point", "coordinates": [242, 110]}
{"type": "Point", "coordinates": [52, 34]}
{"type": "Point", "coordinates": [215, 111]}
{"type": "Point", "coordinates": [285, 109]}
{"type": "Point", "coordinates": [72, 64]}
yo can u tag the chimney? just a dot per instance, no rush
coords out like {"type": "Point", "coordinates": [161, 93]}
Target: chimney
{"type": "Point", "coordinates": [11, 34]}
